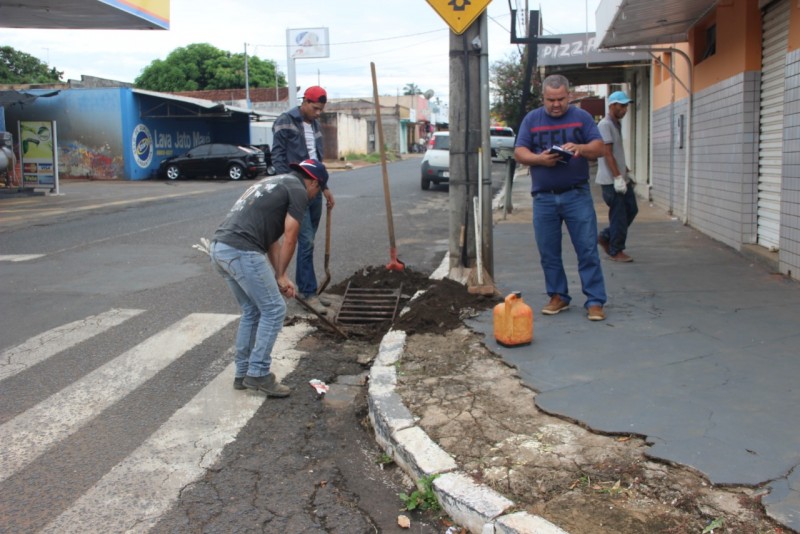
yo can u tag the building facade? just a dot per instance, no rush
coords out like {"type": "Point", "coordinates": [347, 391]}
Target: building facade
{"type": "Point", "coordinates": [725, 138]}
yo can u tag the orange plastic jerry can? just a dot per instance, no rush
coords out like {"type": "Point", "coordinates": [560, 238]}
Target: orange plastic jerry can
{"type": "Point", "coordinates": [513, 321]}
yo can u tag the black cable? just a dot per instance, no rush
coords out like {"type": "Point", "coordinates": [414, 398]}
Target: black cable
{"type": "Point", "coordinates": [468, 199]}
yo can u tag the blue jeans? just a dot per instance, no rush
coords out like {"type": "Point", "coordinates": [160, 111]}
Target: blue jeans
{"type": "Point", "coordinates": [622, 210]}
{"type": "Point", "coordinates": [576, 209]}
{"type": "Point", "coordinates": [305, 277]}
{"type": "Point", "coordinates": [252, 281]}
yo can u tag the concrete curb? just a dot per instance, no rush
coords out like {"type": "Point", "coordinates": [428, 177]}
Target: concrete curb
{"type": "Point", "coordinates": [474, 506]}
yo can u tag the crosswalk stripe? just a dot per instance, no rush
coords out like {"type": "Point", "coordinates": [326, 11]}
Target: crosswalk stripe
{"type": "Point", "coordinates": [20, 257]}
{"type": "Point", "coordinates": [134, 494]}
{"type": "Point", "coordinates": [43, 346]}
{"type": "Point", "coordinates": [31, 433]}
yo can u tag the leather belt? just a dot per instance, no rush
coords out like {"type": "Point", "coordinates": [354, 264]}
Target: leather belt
{"type": "Point", "coordinates": [562, 189]}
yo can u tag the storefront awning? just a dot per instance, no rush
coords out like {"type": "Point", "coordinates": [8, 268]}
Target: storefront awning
{"type": "Point", "coordinates": [184, 107]}
{"type": "Point", "coordinates": [86, 14]}
{"type": "Point", "coordinates": [647, 22]}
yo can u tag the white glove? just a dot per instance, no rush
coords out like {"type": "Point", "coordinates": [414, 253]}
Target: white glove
{"type": "Point", "coordinates": [619, 185]}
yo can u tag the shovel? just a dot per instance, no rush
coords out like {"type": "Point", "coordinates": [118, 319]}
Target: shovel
{"type": "Point", "coordinates": [327, 252]}
{"type": "Point", "coordinates": [324, 319]}
{"type": "Point", "coordinates": [394, 263]}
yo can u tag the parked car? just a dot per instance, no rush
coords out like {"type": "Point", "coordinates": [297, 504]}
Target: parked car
{"type": "Point", "coordinates": [501, 137]}
{"type": "Point", "coordinates": [267, 158]}
{"type": "Point", "coordinates": [436, 161]}
{"type": "Point", "coordinates": [215, 159]}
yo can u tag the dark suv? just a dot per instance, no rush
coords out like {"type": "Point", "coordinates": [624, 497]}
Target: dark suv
{"type": "Point", "coordinates": [215, 159]}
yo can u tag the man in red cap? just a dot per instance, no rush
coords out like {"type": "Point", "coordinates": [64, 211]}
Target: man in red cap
{"type": "Point", "coordinates": [265, 220]}
{"type": "Point", "coordinates": [297, 136]}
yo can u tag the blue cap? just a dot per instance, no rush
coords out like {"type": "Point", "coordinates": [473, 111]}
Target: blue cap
{"type": "Point", "coordinates": [619, 97]}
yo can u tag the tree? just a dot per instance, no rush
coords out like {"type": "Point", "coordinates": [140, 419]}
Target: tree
{"type": "Point", "coordinates": [201, 66]}
{"type": "Point", "coordinates": [412, 89]}
{"type": "Point", "coordinates": [505, 85]}
{"type": "Point", "coordinates": [19, 67]}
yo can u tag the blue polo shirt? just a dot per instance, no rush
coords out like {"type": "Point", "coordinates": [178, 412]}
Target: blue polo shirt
{"type": "Point", "coordinates": [539, 131]}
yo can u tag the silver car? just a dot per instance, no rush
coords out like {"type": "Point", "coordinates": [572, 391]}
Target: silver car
{"type": "Point", "coordinates": [436, 162]}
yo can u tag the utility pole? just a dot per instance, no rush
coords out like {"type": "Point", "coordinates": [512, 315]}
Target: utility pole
{"type": "Point", "coordinates": [246, 78]}
{"type": "Point", "coordinates": [532, 56]}
{"type": "Point", "coordinates": [465, 139]}
{"type": "Point", "coordinates": [532, 41]}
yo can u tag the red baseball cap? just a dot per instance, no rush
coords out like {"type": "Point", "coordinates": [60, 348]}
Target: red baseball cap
{"type": "Point", "coordinates": [316, 94]}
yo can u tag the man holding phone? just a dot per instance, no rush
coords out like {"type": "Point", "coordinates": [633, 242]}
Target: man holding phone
{"type": "Point", "coordinates": [561, 193]}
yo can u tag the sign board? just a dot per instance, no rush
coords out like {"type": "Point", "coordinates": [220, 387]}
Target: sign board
{"type": "Point", "coordinates": [459, 14]}
{"type": "Point", "coordinates": [308, 43]}
{"type": "Point", "coordinates": [38, 157]}
{"type": "Point", "coordinates": [581, 48]}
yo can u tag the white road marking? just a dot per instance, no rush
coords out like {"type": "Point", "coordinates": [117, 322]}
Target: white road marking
{"type": "Point", "coordinates": [32, 432]}
{"type": "Point", "coordinates": [20, 257]}
{"type": "Point", "coordinates": [137, 491]}
{"type": "Point", "coordinates": [43, 346]}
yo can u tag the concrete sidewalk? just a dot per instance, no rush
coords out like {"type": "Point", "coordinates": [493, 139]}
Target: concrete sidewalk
{"type": "Point", "coordinates": [698, 354]}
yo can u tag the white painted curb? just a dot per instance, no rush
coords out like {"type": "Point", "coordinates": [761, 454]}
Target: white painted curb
{"type": "Point", "coordinates": [473, 506]}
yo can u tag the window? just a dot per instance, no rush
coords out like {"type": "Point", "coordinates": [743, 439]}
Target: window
{"type": "Point", "coordinates": [711, 42]}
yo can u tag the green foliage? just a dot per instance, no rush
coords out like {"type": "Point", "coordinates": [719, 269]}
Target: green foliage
{"type": "Point", "coordinates": [384, 459]}
{"type": "Point", "coordinates": [374, 157]}
{"type": "Point", "coordinates": [412, 89]}
{"type": "Point", "coordinates": [201, 66]}
{"type": "Point", "coordinates": [423, 499]}
{"type": "Point", "coordinates": [19, 67]}
{"type": "Point", "coordinates": [717, 523]}
{"type": "Point", "coordinates": [505, 85]}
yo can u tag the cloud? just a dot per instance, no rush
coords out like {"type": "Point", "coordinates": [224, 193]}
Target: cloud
{"type": "Point", "coordinates": [407, 41]}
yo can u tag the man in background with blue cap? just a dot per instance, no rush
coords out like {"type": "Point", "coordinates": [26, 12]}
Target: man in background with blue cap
{"type": "Point", "coordinates": [614, 178]}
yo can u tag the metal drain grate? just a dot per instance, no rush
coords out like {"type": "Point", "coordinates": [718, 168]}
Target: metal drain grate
{"type": "Point", "coordinates": [362, 306]}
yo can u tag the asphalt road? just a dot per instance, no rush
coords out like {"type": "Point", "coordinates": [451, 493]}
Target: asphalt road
{"type": "Point", "coordinates": [116, 410]}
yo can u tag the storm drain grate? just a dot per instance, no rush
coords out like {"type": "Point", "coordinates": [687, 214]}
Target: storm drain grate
{"type": "Point", "coordinates": [362, 306]}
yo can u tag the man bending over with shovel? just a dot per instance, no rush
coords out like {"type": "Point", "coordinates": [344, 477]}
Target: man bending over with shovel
{"type": "Point", "coordinates": [268, 211]}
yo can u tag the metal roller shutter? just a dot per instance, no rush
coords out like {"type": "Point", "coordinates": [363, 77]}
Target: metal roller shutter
{"type": "Point", "coordinates": [775, 40]}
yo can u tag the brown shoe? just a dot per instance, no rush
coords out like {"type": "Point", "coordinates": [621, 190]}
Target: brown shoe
{"type": "Point", "coordinates": [621, 257]}
{"type": "Point", "coordinates": [604, 244]}
{"type": "Point", "coordinates": [556, 305]}
{"type": "Point", "coordinates": [596, 313]}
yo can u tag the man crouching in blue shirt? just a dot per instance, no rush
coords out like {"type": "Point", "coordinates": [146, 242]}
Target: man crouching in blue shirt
{"type": "Point", "coordinates": [561, 194]}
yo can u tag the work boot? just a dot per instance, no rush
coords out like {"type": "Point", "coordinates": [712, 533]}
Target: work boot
{"type": "Point", "coordinates": [621, 257]}
{"type": "Point", "coordinates": [555, 306]}
{"type": "Point", "coordinates": [317, 304]}
{"type": "Point", "coordinates": [266, 384]}
{"type": "Point", "coordinates": [238, 382]}
{"type": "Point", "coordinates": [604, 244]}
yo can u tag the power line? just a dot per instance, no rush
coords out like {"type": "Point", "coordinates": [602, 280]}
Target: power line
{"type": "Point", "coordinates": [370, 40]}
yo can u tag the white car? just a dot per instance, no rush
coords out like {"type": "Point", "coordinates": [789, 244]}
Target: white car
{"type": "Point", "coordinates": [436, 162]}
{"type": "Point", "coordinates": [502, 142]}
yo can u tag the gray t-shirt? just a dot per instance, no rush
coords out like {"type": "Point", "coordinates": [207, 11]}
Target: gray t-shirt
{"type": "Point", "coordinates": [256, 220]}
{"type": "Point", "coordinates": [611, 135]}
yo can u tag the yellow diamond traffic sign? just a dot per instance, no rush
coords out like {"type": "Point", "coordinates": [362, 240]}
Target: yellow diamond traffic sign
{"type": "Point", "coordinates": [459, 14]}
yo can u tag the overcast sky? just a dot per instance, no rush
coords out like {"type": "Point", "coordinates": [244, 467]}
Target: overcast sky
{"type": "Point", "coordinates": [407, 40]}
